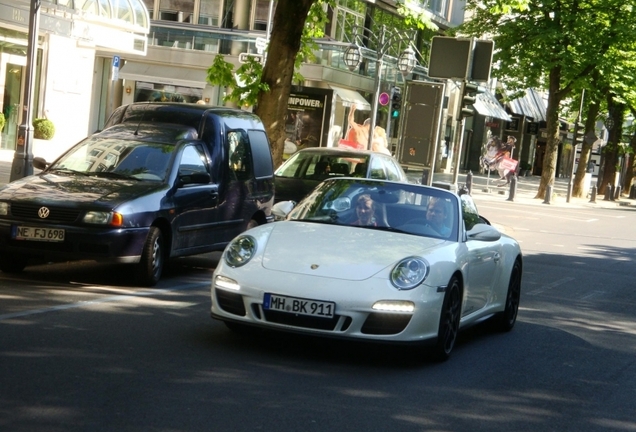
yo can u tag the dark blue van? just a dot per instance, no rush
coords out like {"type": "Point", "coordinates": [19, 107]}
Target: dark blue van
{"type": "Point", "coordinates": [161, 180]}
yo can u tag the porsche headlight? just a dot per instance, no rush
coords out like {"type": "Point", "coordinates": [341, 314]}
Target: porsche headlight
{"type": "Point", "coordinates": [409, 273]}
{"type": "Point", "coordinates": [240, 251]}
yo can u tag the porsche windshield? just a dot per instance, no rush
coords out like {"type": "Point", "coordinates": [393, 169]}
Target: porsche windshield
{"type": "Point", "coordinates": [116, 158]}
{"type": "Point", "coordinates": [407, 208]}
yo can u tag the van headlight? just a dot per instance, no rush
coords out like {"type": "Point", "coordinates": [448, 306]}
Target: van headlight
{"type": "Point", "coordinates": [409, 273]}
{"type": "Point", "coordinates": [240, 251]}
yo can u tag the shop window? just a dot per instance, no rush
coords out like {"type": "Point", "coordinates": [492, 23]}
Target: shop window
{"type": "Point", "coordinates": [154, 92]}
{"type": "Point", "coordinates": [176, 10]}
{"type": "Point", "coordinates": [210, 12]}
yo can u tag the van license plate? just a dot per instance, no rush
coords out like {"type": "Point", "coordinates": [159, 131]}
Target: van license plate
{"type": "Point", "coordinates": [38, 234]}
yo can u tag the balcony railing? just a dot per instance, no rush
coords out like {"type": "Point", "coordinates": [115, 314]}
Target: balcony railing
{"type": "Point", "coordinates": [232, 42]}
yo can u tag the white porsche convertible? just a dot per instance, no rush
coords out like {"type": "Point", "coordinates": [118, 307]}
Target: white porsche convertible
{"type": "Point", "coordinates": [372, 260]}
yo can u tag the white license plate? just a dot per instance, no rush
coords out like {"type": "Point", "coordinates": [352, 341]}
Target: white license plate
{"type": "Point", "coordinates": [38, 234]}
{"type": "Point", "coordinates": [299, 306]}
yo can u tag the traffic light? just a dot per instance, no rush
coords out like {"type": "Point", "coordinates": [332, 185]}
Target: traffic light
{"type": "Point", "coordinates": [578, 134]}
{"type": "Point", "coordinates": [396, 102]}
{"type": "Point", "coordinates": [469, 96]}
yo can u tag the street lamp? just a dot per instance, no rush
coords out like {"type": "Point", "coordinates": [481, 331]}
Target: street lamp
{"type": "Point", "coordinates": [22, 165]}
{"type": "Point", "coordinates": [383, 42]}
{"type": "Point", "coordinates": [352, 57]}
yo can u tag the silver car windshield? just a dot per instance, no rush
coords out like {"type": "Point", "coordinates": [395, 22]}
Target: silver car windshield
{"type": "Point", "coordinates": [371, 204]}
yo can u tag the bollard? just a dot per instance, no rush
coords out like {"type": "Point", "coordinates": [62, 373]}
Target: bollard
{"type": "Point", "coordinates": [608, 193]}
{"type": "Point", "coordinates": [632, 192]}
{"type": "Point", "coordinates": [548, 194]}
{"type": "Point", "coordinates": [593, 194]}
{"type": "Point", "coordinates": [469, 182]}
{"type": "Point", "coordinates": [617, 194]}
{"type": "Point", "coordinates": [513, 188]}
{"type": "Point", "coordinates": [611, 192]}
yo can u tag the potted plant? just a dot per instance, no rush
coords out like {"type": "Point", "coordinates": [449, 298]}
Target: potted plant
{"type": "Point", "coordinates": [43, 129]}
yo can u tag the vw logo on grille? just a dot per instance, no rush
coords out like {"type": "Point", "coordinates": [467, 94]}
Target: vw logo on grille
{"type": "Point", "coordinates": [43, 212]}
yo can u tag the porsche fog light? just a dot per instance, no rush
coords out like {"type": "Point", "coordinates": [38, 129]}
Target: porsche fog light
{"type": "Point", "coordinates": [4, 209]}
{"type": "Point", "coordinates": [227, 283]}
{"type": "Point", "coordinates": [394, 306]}
{"type": "Point", "coordinates": [409, 273]}
{"type": "Point", "coordinates": [240, 251]}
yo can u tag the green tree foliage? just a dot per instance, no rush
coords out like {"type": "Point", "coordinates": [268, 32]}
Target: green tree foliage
{"type": "Point", "coordinates": [555, 45]}
{"type": "Point", "coordinates": [43, 129]}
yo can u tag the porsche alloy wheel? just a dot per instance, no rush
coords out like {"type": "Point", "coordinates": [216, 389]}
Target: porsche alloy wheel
{"type": "Point", "coordinates": [449, 321]}
{"type": "Point", "coordinates": [506, 319]}
{"type": "Point", "coordinates": [152, 259]}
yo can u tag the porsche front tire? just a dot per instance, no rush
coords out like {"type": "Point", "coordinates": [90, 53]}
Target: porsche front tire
{"type": "Point", "coordinates": [448, 321]}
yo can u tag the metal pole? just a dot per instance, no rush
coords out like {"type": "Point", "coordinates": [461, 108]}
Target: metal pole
{"type": "Point", "coordinates": [574, 138]}
{"type": "Point", "coordinates": [22, 165]}
{"type": "Point", "coordinates": [376, 86]}
{"type": "Point", "coordinates": [460, 135]}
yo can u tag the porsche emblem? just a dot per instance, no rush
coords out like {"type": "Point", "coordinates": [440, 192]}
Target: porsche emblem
{"type": "Point", "coordinates": [43, 212]}
{"type": "Point", "coordinates": [314, 266]}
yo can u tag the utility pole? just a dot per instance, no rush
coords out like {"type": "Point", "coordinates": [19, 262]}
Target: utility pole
{"type": "Point", "coordinates": [22, 165]}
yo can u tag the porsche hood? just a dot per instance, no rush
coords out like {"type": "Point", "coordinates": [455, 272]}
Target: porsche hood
{"type": "Point", "coordinates": [350, 253]}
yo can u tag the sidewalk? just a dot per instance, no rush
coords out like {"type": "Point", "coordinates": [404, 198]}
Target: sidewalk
{"type": "Point", "coordinates": [487, 189]}
{"type": "Point", "coordinates": [484, 189]}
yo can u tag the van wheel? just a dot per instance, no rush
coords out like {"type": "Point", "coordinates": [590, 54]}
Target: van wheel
{"type": "Point", "coordinates": [12, 264]}
{"type": "Point", "coordinates": [152, 258]}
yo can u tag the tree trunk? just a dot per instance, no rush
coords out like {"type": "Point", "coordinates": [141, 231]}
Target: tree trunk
{"type": "Point", "coordinates": [287, 29]}
{"type": "Point", "coordinates": [586, 151]}
{"type": "Point", "coordinates": [611, 150]}
{"type": "Point", "coordinates": [631, 166]}
{"type": "Point", "coordinates": [552, 146]}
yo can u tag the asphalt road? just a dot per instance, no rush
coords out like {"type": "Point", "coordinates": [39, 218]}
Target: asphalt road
{"type": "Point", "coordinates": [82, 349]}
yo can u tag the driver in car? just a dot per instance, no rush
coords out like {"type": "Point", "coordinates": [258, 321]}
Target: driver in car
{"type": "Point", "coordinates": [436, 216]}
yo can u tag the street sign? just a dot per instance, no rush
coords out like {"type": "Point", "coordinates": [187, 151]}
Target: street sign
{"type": "Point", "coordinates": [460, 58]}
{"type": "Point", "coordinates": [116, 62]}
{"type": "Point", "coordinates": [242, 57]}
{"type": "Point", "coordinates": [261, 44]}
{"type": "Point", "coordinates": [384, 98]}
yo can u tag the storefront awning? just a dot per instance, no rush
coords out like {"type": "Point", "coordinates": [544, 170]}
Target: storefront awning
{"type": "Point", "coordinates": [531, 105]}
{"type": "Point", "coordinates": [162, 74]}
{"type": "Point", "coordinates": [351, 97]}
{"type": "Point", "coordinates": [487, 105]}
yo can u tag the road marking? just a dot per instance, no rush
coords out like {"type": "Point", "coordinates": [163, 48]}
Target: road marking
{"type": "Point", "coordinates": [550, 286]}
{"type": "Point", "coordinates": [109, 299]}
{"type": "Point", "coordinates": [593, 294]}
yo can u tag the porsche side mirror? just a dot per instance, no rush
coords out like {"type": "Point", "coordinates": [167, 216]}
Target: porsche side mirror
{"type": "Point", "coordinates": [281, 209]}
{"type": "Point", "coordinates": [483, 232]}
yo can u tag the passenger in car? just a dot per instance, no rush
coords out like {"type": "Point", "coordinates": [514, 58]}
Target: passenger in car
{"type": "Point", "coordinates": [436, 216]}
{"type": "Point", "coordinates": [365, 210]}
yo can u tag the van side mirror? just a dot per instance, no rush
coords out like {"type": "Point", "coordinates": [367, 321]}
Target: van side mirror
{"type": "Point", "coordinates": [194, 178]}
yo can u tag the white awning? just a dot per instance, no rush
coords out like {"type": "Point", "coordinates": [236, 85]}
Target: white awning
{"type": "Point", "coordinates": [351, 97]}
{"type": "Point", "coordinates": [162, 74]}
{"type": "Point", "coordinates": [487, 105]}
